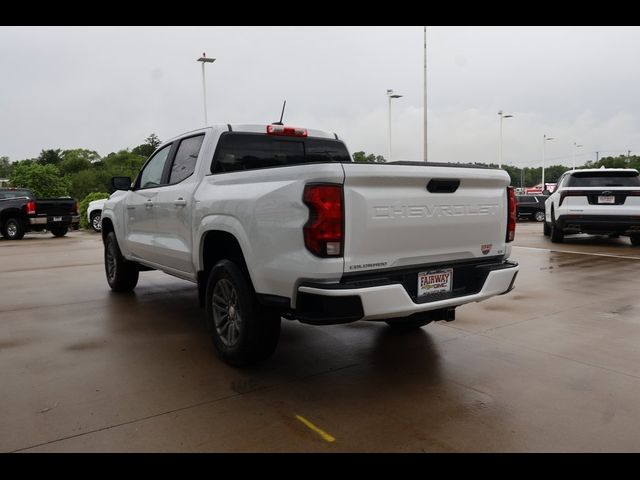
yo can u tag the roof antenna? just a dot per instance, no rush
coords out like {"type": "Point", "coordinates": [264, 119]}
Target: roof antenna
{"type": "Point", "coordinates": [281, 115]}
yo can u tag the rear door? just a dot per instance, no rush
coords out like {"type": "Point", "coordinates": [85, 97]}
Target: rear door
{"type": "Point", "coordinates": [405, 215]}
{"type": "Point", "coordinates": [173, 206]}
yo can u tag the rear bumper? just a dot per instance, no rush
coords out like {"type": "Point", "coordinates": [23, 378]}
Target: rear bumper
{"type": "Point", "coordinates": [599, 223]}
{"type": "Point", "coordinates": [47, 221]}
{"type": "Point", "coordinates": [318, 304]}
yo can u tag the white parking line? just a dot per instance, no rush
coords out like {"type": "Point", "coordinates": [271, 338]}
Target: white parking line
{"type": "Point", "coordinates": [579, 253]}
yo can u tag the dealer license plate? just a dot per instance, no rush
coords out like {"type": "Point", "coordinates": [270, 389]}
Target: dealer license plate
{"type": "Point", "coordinates": [435, 281]}
{"type": "Point", "coordinates": [606, 199]}
{"type": "Point", "coordinates": [57, 219]}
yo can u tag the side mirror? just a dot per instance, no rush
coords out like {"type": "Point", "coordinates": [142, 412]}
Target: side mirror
{"type": "Point", "coordinates": [121, 183]}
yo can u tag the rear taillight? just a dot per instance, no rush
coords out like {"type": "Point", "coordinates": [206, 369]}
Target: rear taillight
{"type": "Point", "coordinates": [31, 207]}
{"type": "Point", "coordinates": [571, 193]}
{"type": "Point", "coordinates": [324, 232]}
{"type": "Point", "coordinates": [75, 207]}
{"type": "Point", "coordinates": [512, 208]}
{"type": "Point", "coordinates": [286, 131]}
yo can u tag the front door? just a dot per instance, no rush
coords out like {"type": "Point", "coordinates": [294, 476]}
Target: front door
{"type": "Point", "coordinates": [141, 224]}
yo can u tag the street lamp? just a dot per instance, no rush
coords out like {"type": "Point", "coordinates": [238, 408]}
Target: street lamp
{"type": "Point", "coordinates": [544, 145]}
{"type": "Point", "coordinates": [573, 156]}
{"type": "Point", "coordinates": [425, 93]}
{"type": "Point", "coordinates": [391, 95]}
{"type": "Point", "coordinates": [500, 147]}
{"type": "Point", "coordinates": [204, 60]}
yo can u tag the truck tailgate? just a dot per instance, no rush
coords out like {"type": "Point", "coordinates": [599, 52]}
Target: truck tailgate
{"type": "Point", "coordinates": [399, 215]}
{"type": "Point", "coordinates": [55, 206]}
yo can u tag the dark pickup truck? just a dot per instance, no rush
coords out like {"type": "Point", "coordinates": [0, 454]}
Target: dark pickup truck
{"type": "Point", "coordinates": [21, 212]}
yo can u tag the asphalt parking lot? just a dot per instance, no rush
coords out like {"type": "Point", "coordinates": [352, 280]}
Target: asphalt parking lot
{"type": "Point", "coordinates": [552, 366]}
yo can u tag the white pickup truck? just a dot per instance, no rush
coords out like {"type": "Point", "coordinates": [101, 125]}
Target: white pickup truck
{"type": "Point", "coordinates": [273, 221]}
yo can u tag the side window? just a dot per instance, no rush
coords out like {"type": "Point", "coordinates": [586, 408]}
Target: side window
{"type": "Point", "coordinates": [563, 181]}
{"type": "Point", "coordinates": [151, 176]}
{"type": "Point", "coordinates": [185, 160]}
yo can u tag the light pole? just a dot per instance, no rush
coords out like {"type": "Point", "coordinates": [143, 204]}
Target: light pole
{"type": "Point", "coordinates": [391, 95]}
{"type": "Point", "coordinates": [500, 147]}
{"type": "Point", "coordinates": [544, 145]}
{"type": "Point", "coordinates": [204, 60]}
{"type": "Point", "coordinates": [573, 157]}
{"type": "Point", "coordinates": [425, 93]}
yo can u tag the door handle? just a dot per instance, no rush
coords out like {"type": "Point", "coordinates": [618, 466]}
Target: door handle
{"type": "Point", "coordinates": [180, 202]}
{"type": "Point", "coordinates": [149, 203]}
{"type": "Point", "coordinates": [131, 207]}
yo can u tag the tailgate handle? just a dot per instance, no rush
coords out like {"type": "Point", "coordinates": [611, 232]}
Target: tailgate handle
{"type": "Point", "coordinates": [443, 185]}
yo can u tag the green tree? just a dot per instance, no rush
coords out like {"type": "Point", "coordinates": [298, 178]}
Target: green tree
{"type": "Point", "coordinates": [77, 159]}
{"type": "Point", "coordinates": [50, 157]}
{"type": "Point", "coordinates": [5, 167]}
{"type": "Point", "coordinates": [123, 163]}
{"type": "Point", "coordinates": [148, 147]}
{"type": "Point", "coordinates": [87, 181]}
{"type": "Point", "coordinates": [43, 180]}
{"type": "Point", "coordinates": [362, 157]}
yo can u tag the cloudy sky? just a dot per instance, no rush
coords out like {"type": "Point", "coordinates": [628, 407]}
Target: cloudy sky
{"type": "Point", "coordinates": [107, 88]}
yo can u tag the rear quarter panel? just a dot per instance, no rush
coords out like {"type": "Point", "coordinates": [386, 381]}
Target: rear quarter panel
{"type": "Point", "coordinates": [263, 209]}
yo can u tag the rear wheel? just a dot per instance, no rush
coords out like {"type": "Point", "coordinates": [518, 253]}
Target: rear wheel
{"type": "Point", "coordinates": [635, 240]}
{"type": "Point", "coordinates": [242, 331]}
{"type": "Point", "coordinates": [122, 275]}
{"type": "Point", "coordinates": [407, 324]}
{"type": "Point", "coordinates": [95, 221]}
{"type": "Point", "coordinates": [12, 229]}
{"type": "Point", "coordinates": [557, 235]}
{"type": "Point", "coordinates": [539, 216]}
{"type": "Point", "coordinates": [59, 231]}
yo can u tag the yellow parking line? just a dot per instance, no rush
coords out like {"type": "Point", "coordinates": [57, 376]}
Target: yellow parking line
{"type": "Point", "coordinates": [325, 436]}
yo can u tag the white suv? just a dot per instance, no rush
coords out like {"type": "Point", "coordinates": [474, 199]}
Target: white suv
{"type": "Point", "coordinates": [603, 201]}
{"type": "Point", "coordinates": [94, 213]}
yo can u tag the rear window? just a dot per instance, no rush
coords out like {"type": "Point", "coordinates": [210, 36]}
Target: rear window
{"type": "Point", "coordinates": [251, 151]}
{"type": "Point", "coordinates": [604, 179]}
{"type": "Point", "coordinates": [16, 194]}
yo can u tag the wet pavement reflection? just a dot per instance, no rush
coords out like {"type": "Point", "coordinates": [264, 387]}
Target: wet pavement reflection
{"type": "Point", "coordinates": [552, 366]}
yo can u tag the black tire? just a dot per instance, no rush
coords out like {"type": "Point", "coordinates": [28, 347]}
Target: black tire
{"type": "Point", "coordinates": [243, 332]}
{"type": "Point", "coordinates": [59, 231]}
{"type": "Point", "coordinates": [122, 275]}
{"type": "Point", "coordinates": [12, 229]}
{"type": "Point", "coordinates": [538, 216]}
{"type": "Point", "coordinates": [95, 221]}
{"type": "Point", "coordinates": [556, 233]}
{"type": "Point", "coordinates": [546, 229]}
{"type": "Point", "coordinates": [635, 240]}
{"type": "Point", "coordinates": [407, 324]}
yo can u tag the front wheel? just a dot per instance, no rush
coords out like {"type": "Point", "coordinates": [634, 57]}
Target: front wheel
{"type": "Point", "coordinates": [122, 275]}
{"type": "Point", "coordinates": [539, 216]}
{"type": "Point", "coordinates": [95, 221]}
{"type": "Point", "coordinates": [59, 231]}
{"type": "Point", "coordinates": [241, 330]}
